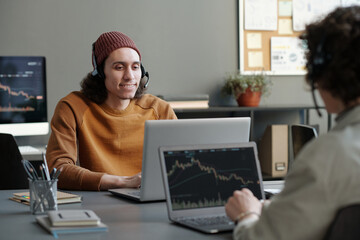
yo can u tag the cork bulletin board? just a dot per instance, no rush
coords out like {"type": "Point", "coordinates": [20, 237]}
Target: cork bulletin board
{"type": "Point", "coordinates": [269, 31]}
{"type": "Point", "coordinates": [256, 36]}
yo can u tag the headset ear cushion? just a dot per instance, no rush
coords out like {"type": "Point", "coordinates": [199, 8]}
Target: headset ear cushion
{"type": "Point", "coordinates": [98, 70]}
{"type": "Point", "coordinates": [143, 71]}
{"type": "Point", "coordinates": [101, 72]}
{"type": "Point", "coordinates": [144, 74]}
{"type": "Point", "coordinates": [321, 59]}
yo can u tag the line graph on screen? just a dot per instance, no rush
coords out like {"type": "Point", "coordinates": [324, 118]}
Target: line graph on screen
{"type": "Point", "coordinates": [207, 178]}
{"type": "Point", "coordinates": [219, 175]}
{"type": "Point", "coordinates": [17, 100]}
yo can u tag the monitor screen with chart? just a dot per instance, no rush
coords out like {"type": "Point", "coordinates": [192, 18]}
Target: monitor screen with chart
{"type": "Point", "coordinates": [208, 176]}
{"type": "Point", "coordinates": [23, 102]}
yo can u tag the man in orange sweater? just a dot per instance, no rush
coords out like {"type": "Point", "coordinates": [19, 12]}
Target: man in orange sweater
{"type": "Point", "coordinates": [97, 133]}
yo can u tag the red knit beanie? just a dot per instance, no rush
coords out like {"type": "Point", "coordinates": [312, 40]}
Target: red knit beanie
{"type": "Point", "coordinates": [110, 41]}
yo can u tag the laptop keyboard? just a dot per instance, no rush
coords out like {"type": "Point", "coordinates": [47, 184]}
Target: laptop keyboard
{"type": "Point", "coordinates": [208, 221]}
{"type": "Point", "coordinates": [28, 149]}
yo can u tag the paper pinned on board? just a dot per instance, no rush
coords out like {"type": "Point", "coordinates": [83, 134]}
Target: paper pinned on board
{"type": "Point", "coordinates": [261, 15]}
{"type": "Point", "coordinates": [285, 8]}
{"type": "Point", "coordinates": [285, 27]}
{"type": "Point", "coordinates": [255, 59]}
{"type": "Point", "coordinates": [253, 40]}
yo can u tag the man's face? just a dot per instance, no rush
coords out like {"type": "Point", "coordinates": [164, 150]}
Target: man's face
{"type": "Point", "coordinates": [122, 74]}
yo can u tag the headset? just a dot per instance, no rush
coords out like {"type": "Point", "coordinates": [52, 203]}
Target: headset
{"type": "Point", "coordinates": [320, 60]}
{"type": "Point", "coordinates": [100, 71]}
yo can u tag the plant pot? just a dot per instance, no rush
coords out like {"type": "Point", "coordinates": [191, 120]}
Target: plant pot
{"type": "Point", "coordinates": [249, 99]}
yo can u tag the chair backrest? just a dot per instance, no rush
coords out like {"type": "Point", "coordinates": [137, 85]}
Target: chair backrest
{"type": "Point", "coordinates": [301, 134]}
{"type": "Point", "coordinates": [346, 225]}
{"type": "Point", "coordinates": [12, 173]}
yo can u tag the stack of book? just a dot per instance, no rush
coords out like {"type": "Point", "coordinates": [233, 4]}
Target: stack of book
{"type": "Point", "coordinates": [187, 101]}
{"type": "Point", "coordinates": [62, 197]}
{"type": "Point", "coordinates": [71, 221]}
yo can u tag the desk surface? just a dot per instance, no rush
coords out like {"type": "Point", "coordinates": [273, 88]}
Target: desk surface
{"type": "Point", "coordinates": [125, 219]}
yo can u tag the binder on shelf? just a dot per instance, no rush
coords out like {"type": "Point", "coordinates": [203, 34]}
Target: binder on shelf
{"type": "Point", "coordinates": [187, 101]}
{"type": "Point", "coordinates": [273, 151]}
{"type": "Point", "coordinates": [188, 104]}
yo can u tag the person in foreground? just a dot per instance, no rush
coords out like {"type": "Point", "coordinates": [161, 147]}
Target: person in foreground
{"type": "Point", "coordinates": [326, 174]}
{"type": "Point", "coordinates": [97, 133]}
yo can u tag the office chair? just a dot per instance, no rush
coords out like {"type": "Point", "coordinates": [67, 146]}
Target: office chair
{"type": "Point", "coordinates": [12, 173]}
{"type": "Point", "coordinates": [301, 134]}
{"type": "Point", "coordinates": [346, 224]}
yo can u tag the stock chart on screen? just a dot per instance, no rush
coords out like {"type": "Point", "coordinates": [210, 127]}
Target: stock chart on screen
{"type": "Point", "coordinates": [22, 89]}
{"type": "Point", "coordinates": [208, 177]}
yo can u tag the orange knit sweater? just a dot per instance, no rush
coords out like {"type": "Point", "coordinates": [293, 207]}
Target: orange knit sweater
{"type": "Point", "coordinates": [88, 140]}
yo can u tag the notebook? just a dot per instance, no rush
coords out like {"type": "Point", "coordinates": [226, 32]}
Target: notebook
{"type": "Point", "coordinates": [45, 222]}
{"type": "Point", "coordinates": [199, 179]}
{"type": "Point", "coordinates": [179, 132]}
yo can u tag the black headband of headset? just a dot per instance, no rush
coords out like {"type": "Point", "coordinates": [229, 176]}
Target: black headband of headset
{"type": "Point", "coordinates": [320, 60]}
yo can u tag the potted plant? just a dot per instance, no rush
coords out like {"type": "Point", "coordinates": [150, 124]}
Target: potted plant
{"type": "Point", "coordinates": [247, 89]}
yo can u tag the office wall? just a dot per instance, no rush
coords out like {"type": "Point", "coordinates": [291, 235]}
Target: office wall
{"type": "Point", "coordinates": [187, 46]}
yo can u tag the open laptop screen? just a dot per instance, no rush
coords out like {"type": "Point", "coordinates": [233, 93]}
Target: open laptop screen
{"type": "Point", "coordinates": [207, 177]}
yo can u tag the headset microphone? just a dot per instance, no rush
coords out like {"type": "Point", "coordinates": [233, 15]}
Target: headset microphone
{"type": "Point", "coordinates": [314, 98]}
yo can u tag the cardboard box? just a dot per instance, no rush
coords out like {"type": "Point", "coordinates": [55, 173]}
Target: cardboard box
{"type": "Point", "coordinates": [274, 151]}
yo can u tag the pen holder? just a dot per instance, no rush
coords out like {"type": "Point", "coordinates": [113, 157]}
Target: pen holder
{"type": "Point", "coordinates": [43, 195]}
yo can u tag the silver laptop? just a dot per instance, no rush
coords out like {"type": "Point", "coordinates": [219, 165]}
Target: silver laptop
{"type": "Point", "coordinates": [179, 132]}
{"type": "Point", "coordinates": [199, 179]}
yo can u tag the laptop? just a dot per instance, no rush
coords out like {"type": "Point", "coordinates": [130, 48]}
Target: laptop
{"type": "Point", "coordinates": [199, 179]}
{"type": "Point", "coordinates": [179, 132]}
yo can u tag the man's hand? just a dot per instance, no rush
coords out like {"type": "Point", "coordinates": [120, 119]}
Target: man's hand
{"type": "Point", "coordinates": [111, 181]}
{"type": "Point", "coordinates": [241, 202]}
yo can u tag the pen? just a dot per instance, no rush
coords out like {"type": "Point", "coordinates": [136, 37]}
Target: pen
{"type": "Point", "coordinates": [33, 174]}
{"type": "Point", "coordinates": [57, 173]}
{"type": "Point", "coordinates": [46, 167]}
{"type": "Point", "coordinates": [29, 169]}
{"type": "Point", "coordinates": [30, 175]}
{"type": "Point", "coordinates": [53, 173]}
{"type": "Point", "coordinates": [42, 172]}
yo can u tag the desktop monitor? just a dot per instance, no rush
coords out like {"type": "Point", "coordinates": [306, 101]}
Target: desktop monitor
{"type": "Point", "coordinates": [23, 103]}
{"type": "Point", "coordinates": [301, 134]}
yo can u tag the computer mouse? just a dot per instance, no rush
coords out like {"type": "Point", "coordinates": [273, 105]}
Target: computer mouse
{"type": "Point", "coordinates": [268, 195]}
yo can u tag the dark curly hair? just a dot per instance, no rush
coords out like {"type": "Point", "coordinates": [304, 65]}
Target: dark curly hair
{"type": "Point", "coordinates": [93, 87]}
{"type": "Point", "coordinates": [333, 60]}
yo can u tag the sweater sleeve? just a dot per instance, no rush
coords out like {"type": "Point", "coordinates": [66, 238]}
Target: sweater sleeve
{"type": "Point", "coordinates": [62, 152]}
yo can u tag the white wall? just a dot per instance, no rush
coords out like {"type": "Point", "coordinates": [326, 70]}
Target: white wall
{"type": "Point", "coordinates": [187, 46]}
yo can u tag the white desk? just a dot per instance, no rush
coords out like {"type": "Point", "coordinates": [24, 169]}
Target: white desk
{"type": "Point", "coordinates": [125, 219]}
{"type": "Point", "coordinates": [34, 156]}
